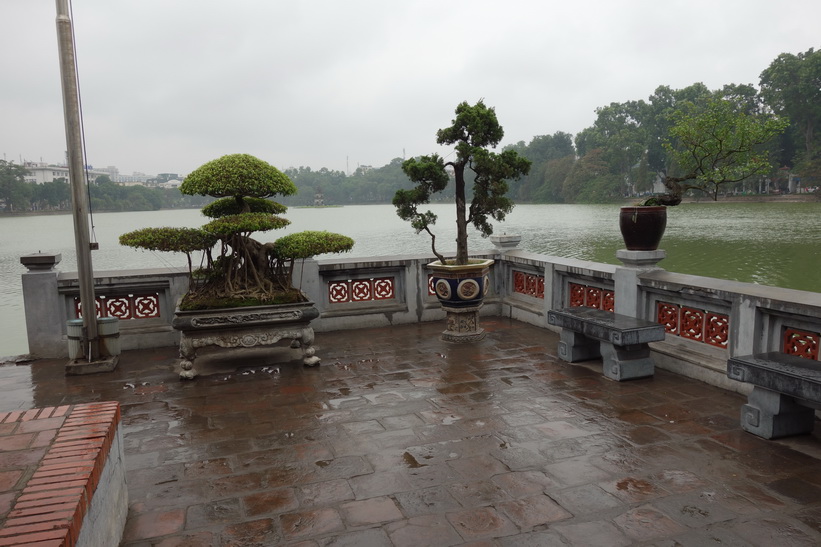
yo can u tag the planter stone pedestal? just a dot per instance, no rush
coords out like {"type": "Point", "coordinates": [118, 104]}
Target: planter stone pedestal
{"type": "Point", "coordinates": [245, 328]}
{"type": "Point", "coordinates": [463, 324]}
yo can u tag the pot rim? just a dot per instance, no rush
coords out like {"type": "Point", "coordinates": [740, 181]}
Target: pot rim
{"type": "Point", "coordinates": [477, 264]}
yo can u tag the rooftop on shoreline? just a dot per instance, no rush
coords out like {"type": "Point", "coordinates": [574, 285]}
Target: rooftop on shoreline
{"type": "Point", "coordinates": [401, 439]}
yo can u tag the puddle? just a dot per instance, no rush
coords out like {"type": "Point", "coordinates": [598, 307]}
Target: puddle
{"type": "Point", "coordinates": [412, 462]}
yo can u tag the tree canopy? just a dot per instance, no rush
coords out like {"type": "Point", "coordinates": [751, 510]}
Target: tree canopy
{"type": "Point", "coordinates": [719, 144]}
{"type": "Point", "coordinates": [473, 131]}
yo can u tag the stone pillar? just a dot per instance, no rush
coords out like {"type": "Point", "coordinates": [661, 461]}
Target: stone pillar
{"type": "Point", "coordinates": [306, 277]}
{"type": "Point", "coordinates": [626, 278]}
{"type": "Point", "coordinates": [45, 315]}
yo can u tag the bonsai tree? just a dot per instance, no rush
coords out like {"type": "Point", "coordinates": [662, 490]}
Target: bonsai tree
{"type": "Point", "coordinates": [237, 270]}
{"type": "Point", "coordinates": [474, 130]}
{"type": "Point", "coordinates": [717, 145]}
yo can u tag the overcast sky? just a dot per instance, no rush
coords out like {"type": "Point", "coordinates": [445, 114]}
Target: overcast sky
{"type": "Point", "coordinates": [170, 84]}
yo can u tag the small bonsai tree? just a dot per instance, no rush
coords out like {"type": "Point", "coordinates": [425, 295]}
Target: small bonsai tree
{"type": "Point", "coordinates": [237, 270]}
{"type": "Point", "coordinates": [716, 145]}
{"type": "Point", "coordinates": [473, 131]}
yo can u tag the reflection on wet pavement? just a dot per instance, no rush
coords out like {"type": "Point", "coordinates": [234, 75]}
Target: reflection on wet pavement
{"type": "Point", "coordinates": [401, 439]}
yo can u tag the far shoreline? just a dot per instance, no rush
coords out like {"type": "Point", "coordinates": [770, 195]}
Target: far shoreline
{"type": "Point", "coordinates": [785, 198]}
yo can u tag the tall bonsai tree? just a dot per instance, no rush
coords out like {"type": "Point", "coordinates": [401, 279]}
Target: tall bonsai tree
{"type": "Point", "coordinates": [236, 269]}
{"type": "Point", "coordinates": [474, 130]}
{"type": "Point", "coordinates": [715, 145]}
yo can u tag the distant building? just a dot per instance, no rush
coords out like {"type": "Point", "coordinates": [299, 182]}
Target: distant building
{"type": "Point", "coordinates": [130, 180]}
{"type": "Point", "coordinates": [40, 173]}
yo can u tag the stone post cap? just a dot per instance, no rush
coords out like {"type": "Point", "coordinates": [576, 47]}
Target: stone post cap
{"type": "Point", "coordinates": [41, 261]}
{"type": "Point", "coordinates": [505, 241]}
{"type": "Point", "coordinates": [641, 259]}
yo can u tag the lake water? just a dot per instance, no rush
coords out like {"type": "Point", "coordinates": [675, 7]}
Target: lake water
{"type": "Point", "coordinates": [775, 244]}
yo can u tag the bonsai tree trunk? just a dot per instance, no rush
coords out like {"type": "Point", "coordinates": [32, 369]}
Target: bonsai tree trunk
{"type": "Point", "coordinates": [461, 218]}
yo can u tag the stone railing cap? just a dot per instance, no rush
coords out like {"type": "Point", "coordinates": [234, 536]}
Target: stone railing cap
{"type": "Point", "coordinates": [41, 261]}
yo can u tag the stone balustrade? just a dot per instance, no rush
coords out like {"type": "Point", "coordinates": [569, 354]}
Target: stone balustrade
{"type": "Point", "coordinates": [707, 320]}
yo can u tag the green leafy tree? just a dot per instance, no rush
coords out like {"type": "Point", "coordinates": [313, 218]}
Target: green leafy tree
{"type": "Point", "coordinates": [717, 145]}
{"type": "Point", "coordinates": [244, 271]}
{"type": "Point", "coordinates": [791, 86]}
{"type": "Point", "coordinates": [473, 131]}
{"type": "Point", "coordinates": [15, 192]}
{"type": "Point", "coordinates": [542, 151]}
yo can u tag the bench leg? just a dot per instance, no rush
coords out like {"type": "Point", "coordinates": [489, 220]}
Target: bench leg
{"type": "Point", "coordinates": [771, 415]}
{"type": "Point", "coordinates": [626, 362]}
{"type": "Point", "coordinates": [574, 346]}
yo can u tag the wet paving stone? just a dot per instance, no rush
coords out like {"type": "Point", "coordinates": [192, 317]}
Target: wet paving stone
{"type": "Point", "coordinates": [401, 439]}
{"type": "Point", "coordinates": [528, 513]}
{"type": "Point", "coordinates": [315, 522]}
{"type": "Point", "coordinates": [481, 523]}
{"type": "Point", "coordinates": [423, 531]}
{"type": "Point", "coordinates": [270, 502]}
{"type": "Point", "coordinates": [646, 523]}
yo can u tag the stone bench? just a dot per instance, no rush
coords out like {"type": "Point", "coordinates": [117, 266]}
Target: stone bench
{"type": "Point", "coordinates": [621, 341]}
{"type": "Point", "coordinates": [62, 476]}
{"type": "Point", "coordinates": [786, 391]}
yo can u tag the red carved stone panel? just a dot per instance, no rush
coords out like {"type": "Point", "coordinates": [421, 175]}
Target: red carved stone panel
{"type": "Point", "coordinates": [126, 307]}
{"type": "Point", "coordinates": [608, 302]}
{"type": "Point", "coordinates": [338, 292]}
{"type": "Point", "coordinates": [593, 297]}
{"type": "Point", "coordinates": [146, 306]}
{"type": "Point", "coordinates": [361, 290]}
{"type": "Point", "coordinates": [716, 329]}
{"type": "Point", "coordinates": [691, 324]}
{"type": "Point", "coordinates": [383, 288]}
{"type": "Point", "coordinates": [528, 284]}
{"type": "Point", "coordinates": [801, 343]}
{"type": "Point", "coordinates": [577, 294]}
{"type": "Point", "coordinates": [667, 315]}
{"type": "Point", "coordinates": [519, 282]}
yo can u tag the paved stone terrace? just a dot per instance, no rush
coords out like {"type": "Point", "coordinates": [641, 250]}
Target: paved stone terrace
{"type": "Point", "coordinates": [401, 439]}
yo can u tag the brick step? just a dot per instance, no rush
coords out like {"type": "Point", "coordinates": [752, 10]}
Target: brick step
{"type": "Point", "coordinates": [62, 476]}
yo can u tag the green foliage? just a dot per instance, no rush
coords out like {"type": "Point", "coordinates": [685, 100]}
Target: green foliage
{"type": "Point", "coordinates": [245, 272]}
{"type": "Point", "coordinates": [310, 243]}
{"type": "Point", "coordinates": [719, 144]}
{"type": "Point", "coordinates": [180, 240]}
{"type": "Point", "coordinates": [473, 130]}
{"type": "Point", "coordinates": [245, 223]}
{"type": "Point", "coordinates": [238, 175]}
{"type": "Point", "coordinates": [14, 191]}
{"type": "Point", "coordinates": [231, 206]}
{"type": "Point", "coordinates": [547, 153]}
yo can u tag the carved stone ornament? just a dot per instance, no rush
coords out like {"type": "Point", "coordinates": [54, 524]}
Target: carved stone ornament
{"type": "Point", "coordinates": [245, 328]}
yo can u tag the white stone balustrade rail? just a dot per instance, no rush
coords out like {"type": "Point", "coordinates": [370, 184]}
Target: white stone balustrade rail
{"type": "Point", "coordinates": [707, 320]}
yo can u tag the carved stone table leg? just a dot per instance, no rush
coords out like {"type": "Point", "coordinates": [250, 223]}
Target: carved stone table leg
{"type": "Point", "coordinates": [308, 351]}
{"type": "Point", "coordinates": [187, 356]}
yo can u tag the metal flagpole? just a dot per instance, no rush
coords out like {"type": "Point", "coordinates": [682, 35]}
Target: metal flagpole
{"type": "Point", "coordinates": [76, 170]}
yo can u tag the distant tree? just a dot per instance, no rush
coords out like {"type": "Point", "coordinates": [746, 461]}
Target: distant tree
{"type": "Point", "coordinates": [52, 195]}
{"type": "Point", "coordinates": [15, 192]}
{"type": "Point", "coordinates": [590, 179]}
{"type": "Point", "coordinates": [541, 150]}
{"type": "Point", "coordinates": [717, 145]}
{"type": "Point", "coordinates": [791, 86]}
{"type": "Point", "coordinates": [550, 179]}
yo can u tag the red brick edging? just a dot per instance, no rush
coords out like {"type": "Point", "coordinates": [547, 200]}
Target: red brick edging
{"type": "Point", "coordinates": [51, 460]}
